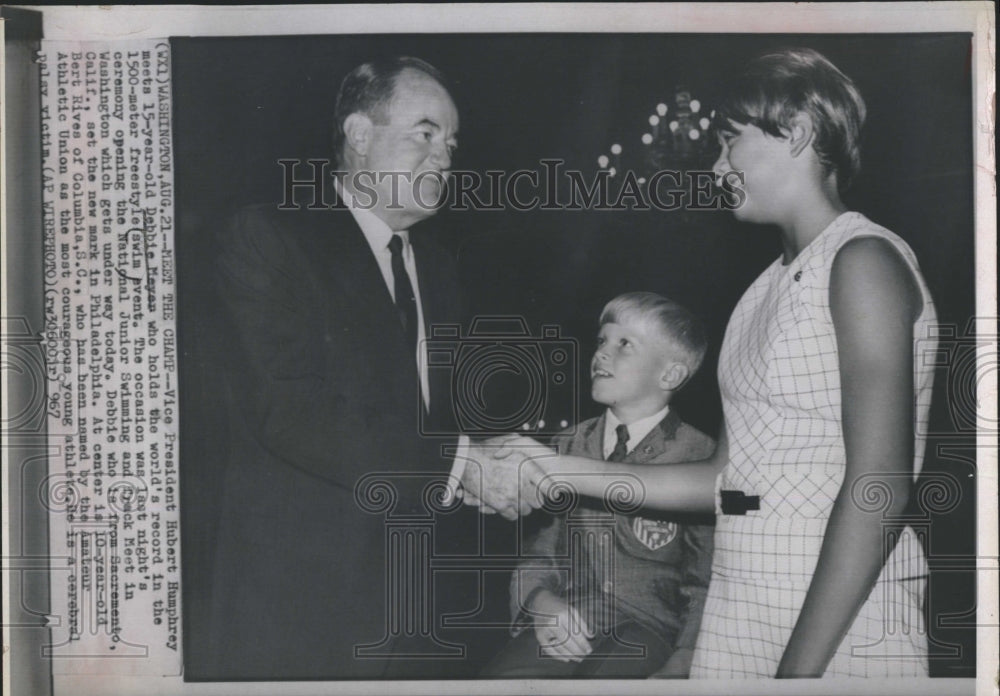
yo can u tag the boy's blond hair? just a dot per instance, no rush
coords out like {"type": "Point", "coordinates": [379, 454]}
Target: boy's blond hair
{"type": "Point", "coordinates": [681, 329]}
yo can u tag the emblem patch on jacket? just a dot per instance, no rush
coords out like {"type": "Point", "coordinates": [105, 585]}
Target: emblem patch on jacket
{"type": "Point", "coordinates": [655, 534]}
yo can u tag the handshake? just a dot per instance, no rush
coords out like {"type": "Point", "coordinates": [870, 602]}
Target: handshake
{"type": "Point", "coordinates": [505, 475]}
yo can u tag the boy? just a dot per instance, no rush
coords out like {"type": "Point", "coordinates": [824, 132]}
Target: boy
{"type": "Point", "coordinates": [612, 594]}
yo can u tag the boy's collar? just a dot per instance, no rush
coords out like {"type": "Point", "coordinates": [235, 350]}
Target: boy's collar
{"type": "Point", "coordinates": [638, 430]}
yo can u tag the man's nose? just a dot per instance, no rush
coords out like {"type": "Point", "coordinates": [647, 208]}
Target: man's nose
{"type": "Point", "coordinates": [441, 157]}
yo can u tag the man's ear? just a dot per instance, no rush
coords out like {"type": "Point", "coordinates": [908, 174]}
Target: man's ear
{"type": "Point", "coordinates": [674, 375]}
{"type": "Point", "coordinates": [800, 135]}
{"type": "Point", "coordinates": [358, 133]}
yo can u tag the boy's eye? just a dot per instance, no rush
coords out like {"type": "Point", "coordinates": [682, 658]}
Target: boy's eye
{"type": "Point", "coordinates": [600, 340]}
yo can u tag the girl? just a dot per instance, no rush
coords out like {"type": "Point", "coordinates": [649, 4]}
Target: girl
{"type": "Point", "coordinates": [824, 404]}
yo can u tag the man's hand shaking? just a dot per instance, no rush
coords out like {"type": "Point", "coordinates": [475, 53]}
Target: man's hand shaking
{"type": "Point", "coordinates": [504, 475]}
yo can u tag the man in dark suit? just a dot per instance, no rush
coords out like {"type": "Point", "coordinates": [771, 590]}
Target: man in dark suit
{"type": "Point", "coordinates": [329, 384]}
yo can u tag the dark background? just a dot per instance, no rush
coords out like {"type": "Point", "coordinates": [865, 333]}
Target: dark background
{"type": "Point", "coordinates": [242, 104]}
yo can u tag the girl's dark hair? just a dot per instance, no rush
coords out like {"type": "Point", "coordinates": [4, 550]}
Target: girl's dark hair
{"type": "Point", "coordinates": [778, 85]}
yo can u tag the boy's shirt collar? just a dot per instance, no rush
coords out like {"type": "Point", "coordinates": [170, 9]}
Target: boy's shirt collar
{"type": "Point", "coordinates": [637, 431]}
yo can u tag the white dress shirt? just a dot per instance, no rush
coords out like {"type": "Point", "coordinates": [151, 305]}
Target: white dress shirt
{"type": "Point", "coordinates": [637, 431]}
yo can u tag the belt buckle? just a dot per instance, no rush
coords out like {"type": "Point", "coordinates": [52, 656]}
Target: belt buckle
{"type": "Point", "coordinates": [738, 503]}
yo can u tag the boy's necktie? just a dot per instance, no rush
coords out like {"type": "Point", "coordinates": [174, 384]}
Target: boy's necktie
{"type": "Point", "coordinates": [406, 301]}
{"type": "Point", "coordinates": [620, 450]}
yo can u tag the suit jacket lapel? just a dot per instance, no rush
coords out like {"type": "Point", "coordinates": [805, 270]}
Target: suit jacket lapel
{"type": "Point", "coordinates": [593, 438]}
{"type": "Point", "coordinates": [351, 265]}
{"type": "Point", "coordinates": [656, 441]}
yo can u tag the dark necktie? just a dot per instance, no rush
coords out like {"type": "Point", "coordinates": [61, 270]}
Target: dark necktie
{"type": "Point", "coordinates": [620, 450]}
{"type": "Point", "coordinates": [406, 301]}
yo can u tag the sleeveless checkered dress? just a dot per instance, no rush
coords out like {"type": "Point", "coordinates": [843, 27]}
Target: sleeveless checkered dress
{"type": "Point", "coordinates": [780, 384]}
